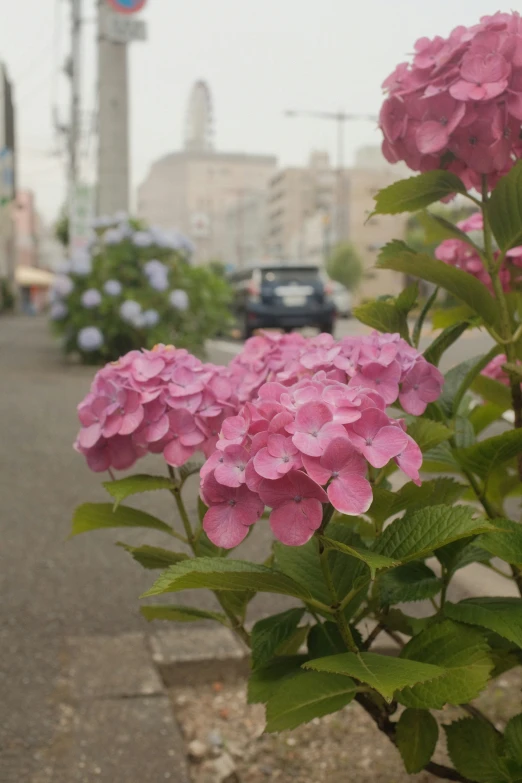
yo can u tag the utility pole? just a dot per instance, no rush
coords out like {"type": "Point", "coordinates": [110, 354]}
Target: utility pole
{"type": "Point", "coordinates": [341, 200]}
{"type": "Point", "coordinates": [113, 118]}
{"type": "Point", "coordinates": [74, 125]}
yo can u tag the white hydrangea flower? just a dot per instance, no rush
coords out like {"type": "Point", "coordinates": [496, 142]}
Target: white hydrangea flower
{"type": "Point", "coordinates": [90, 338]}
{"type": "Point", "coordinates": [179, 299]}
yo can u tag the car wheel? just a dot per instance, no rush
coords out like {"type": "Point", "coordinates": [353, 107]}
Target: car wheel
{"type": "Point", "coordinates": [328, 327]}
{"type": "Point", "coordinates": [247, 330]}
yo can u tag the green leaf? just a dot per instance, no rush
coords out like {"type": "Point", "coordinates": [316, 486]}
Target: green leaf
{"type": "Point", "coordinates": [302, 564]}
{"type": "Point", "coordinates": [417, 329]}
{"type": "Point", "coordinates": [398, 256]}
{"type": "Point", "coordinates": [180, 614]}
{"type": "Point", "coordinates": [417, 735]}
{"type": "Point", "coordinates": [505, 209]}
{"type": "Point", "coordinates": [306, 696]}
{"type": "Point", "coordinates": [440, 460]}
{"type": "Point", "coordinates": [428, 434]}
{"type": "Point", "coordinates": [293, 644]}
{"type": "Point", "coordinates": [122, 488]}
{"type": "Point", "coordinates": [411, 582]}
{"type": "Point", "coordinates": [501, 615]}
{"type": "Point", "coordinates": [448, 316]}
{"type": "Point", "coordinates": [414, 193]}
{"type": "Point", "coordinates": [372, 560]}
{"type": "Point", "coordinates": [97, 516]}
{"type": "Point", "coordinates": [493, 391]}
{"type": "Point", "coordinates": [461, 553]}
{"type": "Point", "coordinates": [459, 379]}
{"type": "Point", "coordinates": [153, 556]}
{"type": "Point", "coordinates": [487, 454]}
{"type": "Point", "coordinates": [513, 739]}
{"type": "Point", "coordinates": [431, 493]}
{"type": "Point", "coordinates": [202, 510]}
{"type": "Point", "coordinates": [264, 682]}
{"type": "Point", "coordinates": [325, 639]}
{"type": "Point", "coordinates": [207, 549]}
{"type": "Point", "coordinates": [218, 574]}
{"type": "Point", "coordinates": [396, 620]}
{"type": "Point", "coordinates": [381, 672]}
{"type": "Point", "coordinates": [464, 433]}
{"type": "Point", "coordinates": [438, 229]}
{"type": "Point", "coordinates": [419, 533]}
{"type": "Point", "coordinates": [237, 601]}
{"type": "Point", "coordinates": [505, 543]}
{"type": "Point", "coordinates": [462, 652]}
{"type": "Point", "coordinates": [443, 341]}
{"type": "Point", "coordinates": [484, 415]}
{"type": "Point", "coordinates": [474, 748]}
{"type": "Point", "coordinates": [407, 299]}
{"type": "Point", "coordinates": [270, 633]}
{"type": "Point", "coordinates": [383, 316]}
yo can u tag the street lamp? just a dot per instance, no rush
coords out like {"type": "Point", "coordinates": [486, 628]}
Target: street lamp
{"type": "Point", "coordinates": [340, 117]}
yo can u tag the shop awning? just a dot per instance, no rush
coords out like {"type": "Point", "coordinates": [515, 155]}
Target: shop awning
{"type": "Point", "coordinates": [31, 276]}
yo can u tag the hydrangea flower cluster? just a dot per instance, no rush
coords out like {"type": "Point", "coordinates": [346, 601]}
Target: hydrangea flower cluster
{"type": "Point", "coordinates": [494, 370]}
{"type": "Point", "coordinates": [459, 254]}
{"type": "Point", "coordinates": [160, 401]}
{"type": "Point", "coordinates": [458, 104]}
{"type": "Point", "coordinates": [296, 448]}
{"type": "Point", "coordinates": [382, 362]}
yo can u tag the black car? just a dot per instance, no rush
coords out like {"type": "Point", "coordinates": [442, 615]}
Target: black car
{"type": "Point", "coordinates": [282, 296]}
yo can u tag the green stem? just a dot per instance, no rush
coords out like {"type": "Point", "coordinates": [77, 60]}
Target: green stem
{"type": "Point", "coordinates": [176, 493]}
{"type": "Point", "coordinates": [338, 613]}
{"type": "Point", "coordinates": [445, 585]}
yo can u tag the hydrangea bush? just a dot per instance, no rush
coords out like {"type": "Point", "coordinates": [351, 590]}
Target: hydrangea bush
{"type": "Point", "coordinates": [379, 478]}
{"type": "Point", "coordinates": [134, 288]}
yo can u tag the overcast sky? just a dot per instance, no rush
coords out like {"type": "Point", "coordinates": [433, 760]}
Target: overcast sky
{"type": "Point", "coordinates": [259, 57]}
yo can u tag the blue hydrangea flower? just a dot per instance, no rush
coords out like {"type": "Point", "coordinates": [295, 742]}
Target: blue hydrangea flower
{"type": "Point", "coordinates": [150, 317]}
{"type": "Point", "coordinates": [63, 285]}
{"type": "Point", "coordinates": [91, 298]}
{"type": "Point", "coordinates": [179, 299]}
{"type": "Point", "coordinates": [58, 311]}
{"type": "Point", "coordinates": [113, 236]}
{"type": "Point", "coordinates": [130, 310]}
{"type": "Point", "coordinates": [112, 287]}
{"type": "Point", "coordinates": [81, 263]}
{"type": "Point", "coordinates": [90, 338]}
{"type": "Point", "coordinates": [142, 239]}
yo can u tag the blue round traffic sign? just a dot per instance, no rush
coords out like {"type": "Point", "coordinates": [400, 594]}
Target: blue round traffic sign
{"type": "Point", "coordinates": [126, 6]}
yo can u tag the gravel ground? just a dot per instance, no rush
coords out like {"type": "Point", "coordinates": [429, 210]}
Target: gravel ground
{"type": "Point", "coordinates": [226, 743]}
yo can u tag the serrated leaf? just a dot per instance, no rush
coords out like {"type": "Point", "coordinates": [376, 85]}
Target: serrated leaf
{"type": "Point", "coordinates": [487, 454]}
{"type": "Point", "coordinates": [372, 560]}
{"type": "Point", "coordinates": [482, 416]}
{"type": "Point", "coordinates": [217, 574]}
{"type": "Point", "coordinates": [493, 391]}
{"type": "Point", "coordinates": [463, 654]}
{"type": "Point", "coordinates": [383, 316]}
{"type": "Point", "coordinates": [415, 193]}
{"type": "Point", "coordinates": [268, 634]}
{"type": "Point", "coordinates": [237, 601]}
{"type": "Point", "coordinates": [383, 673]}
{"type": "Point", "coordinates": [419, 533]}
{"type": "Point", "coordinates": [410, 496]}
{"type": "Point", "coordinates": [398, 256]}
{"type": "Point", "coordinates": [180, 614]}
{"type": "Point", "coordinates": [303, 565]}
{"type": "Point", "coordinates": [417, 329]}
{"type": "Point", "coordinates": [505, 209]}
{"type": "Point", "coordinates": [443, 341]}
{"type": "Point", "coordinates": [461, 553]}
{"type": "Point", "coordinates": [97, 516]}
{"type": "Point", "coordinates": [438, 229]}
{"type": "Point", "coordinates": [202, 509]}
{"type": "Point", "coordinates": [475, 749]}
{"type": "Point", "coordinates": [440, 460]}
{"type": "Point", "coordinates": [207, 549]}
{"type": "Point", "coordinates": [513, 739]}
{"type": "Point", "coordinates": [153, 556]}
{"type": "Point", "coordinates": [411, 582]}
{"type": "Point", "coordinates": [132, 485]}
{"type": "Point", "coordinates": [306, 696]}
{"type": "Point", "coordinates": [397, 620]}
{"type": "Point", "coordinates": [407, 298]}
{"type": "Point", "coordinates": [264, 682]}
{"type": "Point", "coordinates": [506, 542]}
{"type": "Point", "coordinates": [295, 642]}
{"type": "Point", "coordinates": [325, 639]}
{"type": "Point", "coordinates": [417, 735]}
{"type": "Point", "coordinates": [464, 435]}
{"type": "Point", "coordinates": [428, 434]}
{"type": "Point", "coordinates": [501, 615]}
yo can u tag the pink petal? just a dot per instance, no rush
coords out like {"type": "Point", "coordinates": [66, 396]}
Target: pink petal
{"type": "Point", "coordinates": [341, 452]}
{"type": "Point", "coordinates": [157, 429]}
{"type": "Point", "coordinates": [315, 469]}
{"type": "Point", "coordinates": [312, 416]}
{"type": "Point", "coordinates": [98, 458]}
{"type": "Point", "coordinates": [176, 454]}
{"type": "Point", "coordinates": [89, 436]}
{"type": "Point", "coordinates": [131, 421]}
{"type": "Point", "coordinates": [266, 465]}
{"type": "Point", "coordinates": [431, 137]}
{"type": "Point", "coordinates": [388, 442]}
{"type": "Point", "coordinates": [350, 496]}
{"type": "Point", "coordinates": [295, 523]}
{"type": "Point", "coordinates": [223, 527]}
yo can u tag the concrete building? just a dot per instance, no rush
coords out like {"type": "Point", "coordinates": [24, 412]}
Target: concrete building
{"type": "Point", "coordinates": [193, 190]}
{"type": "Point", "coordinates": [246, 238]}
{"type": "Point", "coordinates": [302, 215]}
{"type": "Point", "coordinates": [7, 181]}
{"type": "Point", "coordinates": [27, 229]}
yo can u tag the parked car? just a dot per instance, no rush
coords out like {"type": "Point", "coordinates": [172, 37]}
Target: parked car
{"type": "Point", "coordinates": [342, 299]}
{"type": "Point", "coordinates": [283, 297]}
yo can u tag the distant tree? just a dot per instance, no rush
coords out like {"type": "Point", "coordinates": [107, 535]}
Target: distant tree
{"type": "Point", "coordinates": [217, 267]}
{"type": "Point", "coordinates": [345, 267]}
{"type": "Point", "coordinates": [61, 228]}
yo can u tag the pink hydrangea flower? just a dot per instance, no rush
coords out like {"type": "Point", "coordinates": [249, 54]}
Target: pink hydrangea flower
{"type": "Point", "coordinates": [279, 456]}
{"type": "Point", "coordinates": [231, 513]}
{"type": "Point", "coordinates": [377, 439]}
{"type": "Point", "coordinates": [349, 491]}
{"type": "Point", "coordinates": [297, 507]}
{"type": "Point", "coordinates": [421, 385]}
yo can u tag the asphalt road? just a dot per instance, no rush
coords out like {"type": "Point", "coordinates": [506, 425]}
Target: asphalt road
{"type": "Point", "coordinates": [53, 587]}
